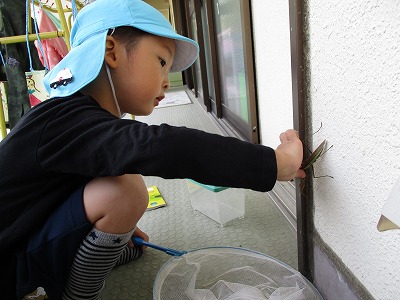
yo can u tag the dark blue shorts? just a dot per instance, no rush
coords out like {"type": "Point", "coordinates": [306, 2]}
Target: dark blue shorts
{"type": "Point", "coordinates": [46, 259]}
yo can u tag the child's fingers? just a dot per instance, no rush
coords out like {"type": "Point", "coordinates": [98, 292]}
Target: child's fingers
{"type": "Point", "coordinates": [300, 174]}
{"type": "Point", "coordinates": [142, 235]}
{"type": "Point", "coordinates": [289, 135]}
{"type": "Point", "coordinates": [283, 137]}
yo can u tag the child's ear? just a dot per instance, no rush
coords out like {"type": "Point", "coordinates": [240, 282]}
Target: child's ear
{"type": "Point", "coordinates": [110, 56]}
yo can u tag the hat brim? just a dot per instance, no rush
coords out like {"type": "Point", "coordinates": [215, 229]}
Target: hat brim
{"type": "Point", "coordinates": [186, 50]}
{"type": "Point", "coordinates": [84, 65]}
{"type": "Point", "coordinates": [185, 55]}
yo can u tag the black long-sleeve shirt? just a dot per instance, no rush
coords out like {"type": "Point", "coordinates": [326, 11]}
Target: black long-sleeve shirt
{"type": "Point", "coordinates": [63, 143]}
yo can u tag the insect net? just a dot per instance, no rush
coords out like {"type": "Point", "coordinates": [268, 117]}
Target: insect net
{"type": "Point", "coordinates": [230, 274]}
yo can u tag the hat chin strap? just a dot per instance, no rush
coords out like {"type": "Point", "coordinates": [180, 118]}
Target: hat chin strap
{"type": "Point", "coordinates": [113, 90]}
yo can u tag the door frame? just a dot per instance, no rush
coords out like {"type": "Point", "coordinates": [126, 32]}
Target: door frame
{"type": "Point", "coordinates": [304, 196]}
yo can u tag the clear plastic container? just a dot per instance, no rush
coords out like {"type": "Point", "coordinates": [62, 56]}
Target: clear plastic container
{"type": "Point", "coordinates": [219, 203]}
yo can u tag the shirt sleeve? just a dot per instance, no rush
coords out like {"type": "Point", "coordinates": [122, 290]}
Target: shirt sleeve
{"type": "Point", "coordinates": [95, 143]}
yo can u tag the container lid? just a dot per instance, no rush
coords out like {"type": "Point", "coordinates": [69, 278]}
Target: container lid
{"type": "Point", "coordinates": [211, 188]}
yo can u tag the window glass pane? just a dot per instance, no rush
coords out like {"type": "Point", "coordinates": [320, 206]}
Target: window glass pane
{"type": "Point", "coordinates": [231, 56]}
{"type": "Point", "coordinates": [207, 48]}
{"type": "Point", "coordinates": [197, 62]}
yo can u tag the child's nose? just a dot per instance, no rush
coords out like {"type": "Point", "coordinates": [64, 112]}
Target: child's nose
{"type": "Point", "coordinates": [166, 84]}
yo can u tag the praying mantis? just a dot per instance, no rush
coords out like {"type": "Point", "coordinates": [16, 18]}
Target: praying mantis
{"type": "Point", "coordinates": [309, 162]}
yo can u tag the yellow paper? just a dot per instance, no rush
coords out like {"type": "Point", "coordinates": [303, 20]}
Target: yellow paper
{"type": "Point", "coordinates": [155, 198]}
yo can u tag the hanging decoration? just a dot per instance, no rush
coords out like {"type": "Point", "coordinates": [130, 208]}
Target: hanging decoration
{"type": "Point", "coordinates": [54, 49]}
{"type": "Point", "coordinates": [34, 78]}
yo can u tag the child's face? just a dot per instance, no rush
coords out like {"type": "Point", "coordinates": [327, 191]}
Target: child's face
{"type": "Point", "coordinates": [142, 79]}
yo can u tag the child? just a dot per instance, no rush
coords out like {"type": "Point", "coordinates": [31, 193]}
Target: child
{"type": "Point", "coordinates": [71, 191]}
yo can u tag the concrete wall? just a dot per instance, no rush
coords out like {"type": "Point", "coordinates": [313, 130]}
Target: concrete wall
{"type": "Point", "coordinates": [354, 64]}
{"type": "Point", "coordinates": [354, 90]}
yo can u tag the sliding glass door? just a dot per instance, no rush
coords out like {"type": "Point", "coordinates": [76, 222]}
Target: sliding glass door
{"type": "Point", "coordinates": [235, 61]}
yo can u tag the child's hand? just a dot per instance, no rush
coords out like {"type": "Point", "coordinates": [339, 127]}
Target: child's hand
{"type": "Point", "coordinates": [289, 156]}
{"type": "Point", "coordinates": [140, 234]}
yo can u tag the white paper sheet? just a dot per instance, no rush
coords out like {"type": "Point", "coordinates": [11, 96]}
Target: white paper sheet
{"type": "Point", "coordinates": [390, 218]}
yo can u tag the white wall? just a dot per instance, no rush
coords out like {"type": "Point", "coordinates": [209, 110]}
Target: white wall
{"type": "Point", "coordinates": [355, 93]}
{"type": "Point", "coordinates": [273, 68]}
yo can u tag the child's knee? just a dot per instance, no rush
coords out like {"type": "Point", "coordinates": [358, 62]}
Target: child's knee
{"type": "Point", "coordinates": [115, 204]}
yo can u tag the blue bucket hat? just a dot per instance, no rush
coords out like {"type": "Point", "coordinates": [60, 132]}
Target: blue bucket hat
{"type": "Point", "coordinates": [88, 40]}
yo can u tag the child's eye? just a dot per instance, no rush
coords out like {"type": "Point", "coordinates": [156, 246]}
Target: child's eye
{"type": "Point", "coordinates": [162, 62]}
